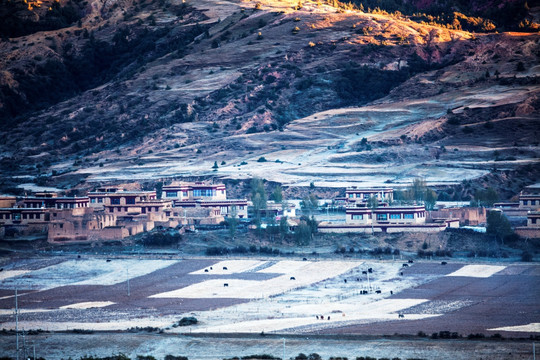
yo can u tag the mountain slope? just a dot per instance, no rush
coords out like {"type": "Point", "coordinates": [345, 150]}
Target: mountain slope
{"type": "Point", "coordinates": [167, 89]}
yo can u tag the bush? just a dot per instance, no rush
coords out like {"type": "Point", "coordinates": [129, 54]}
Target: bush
{"type": "Point", "coordinates": [172, 357]}
{"type": "Point", "coordinates": [526, 256]}
{"type": "Point", "coordinates": [186, 321]}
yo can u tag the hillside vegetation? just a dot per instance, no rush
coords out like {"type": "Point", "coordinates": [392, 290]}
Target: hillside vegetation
{"type": "Point", "coordinates": [152, 89]}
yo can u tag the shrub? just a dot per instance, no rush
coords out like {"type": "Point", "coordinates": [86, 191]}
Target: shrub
{"type": "Point", "coordinates": [186, 321]}
{"type": "Point", "coordinates": [261, 159]}
{"type": "Point", "coordinates": [526, 256]}
{"type": "Point", "coordinates": [172, 357]}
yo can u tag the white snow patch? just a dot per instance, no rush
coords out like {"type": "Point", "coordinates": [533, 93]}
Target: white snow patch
{"type": "Point", "coordinates": [285, 267]}
{"type": "Point", "coordinates": [6, 274]}
{"type": "Point", "coordinates": [532, 327]}
{"type": "Point", "coordinates": [232, 267]}
{"type": "Point", "coordinates": [84, 272]}
{"type": "Point", "coordinates": [251, 289]}
{"type": "Point", "coordinates": [384, 310]}
{"type": "Point", "coordinates": [479, 271]}
{"type": "Point", "coordinates": [88, 305]}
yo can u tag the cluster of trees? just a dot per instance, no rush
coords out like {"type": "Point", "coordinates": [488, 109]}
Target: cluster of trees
{"type": "Point", "coordinates": [304, 231]}
{"type": "Point", "coordinates": [466, 15]}
{"type": "Point", "coordinates": [12, 24]}
{"type": "Point", "coordinates": [419, 192]}
{"type": "Point", "coordinates": [362, 84]}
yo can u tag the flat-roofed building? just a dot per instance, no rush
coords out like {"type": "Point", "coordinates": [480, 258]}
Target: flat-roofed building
{"type": "Point", "coordinates": [532, 230]}
{"type": "Point", "coordinates": [53, 201]}
{"type": "Point", "coordinates": [387, 219]}
{"type": "Point", "coordinates": [359, 195]}
{"type": "Point", "coordinates": [116, 196]}
{"type": "Point", "coordinates": [195, 191]}
{"type": "Point", "coordinates": [200, 194]}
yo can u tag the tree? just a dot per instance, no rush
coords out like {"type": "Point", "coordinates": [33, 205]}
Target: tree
{"type": "Point", "coordinates": [373, 202]}
{"type": "Point", "coordinates": [159, 189]}
{"type": "Point", "coordinates": [215, 167]}
{"type": "Point", "coordinates": [283, 227]}
{"type": "Point", "coordinates": [430, 199]}
{"type": "Point", "coordinates": [258, 198]}
{"type": "Point", "coordinates": [498, 225]}
{"type": "Point", "coordinates": [303, 233]}
{"type": "Point", "coordinates": [485, 197]}
{"type": "Point", "coordinates": [277, 194]}
{"type": "Point", "coordinates": [232, 221]}
{"type": "Point", "coordinates": [417, 190]}
{"type": "Point", "coordinates": [309, 204]}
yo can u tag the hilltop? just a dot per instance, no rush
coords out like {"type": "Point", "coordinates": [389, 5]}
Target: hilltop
{"type": "Point", "coordinates": [295, 92]}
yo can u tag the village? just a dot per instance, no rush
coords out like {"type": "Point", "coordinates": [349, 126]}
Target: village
{"type": "Point", "coordinates": [112, 213]}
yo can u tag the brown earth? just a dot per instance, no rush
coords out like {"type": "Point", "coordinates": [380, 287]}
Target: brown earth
{"type": "Point", "coordinates": [210, 81]}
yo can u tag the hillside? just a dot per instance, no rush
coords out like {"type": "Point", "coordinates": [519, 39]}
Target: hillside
{"type": "Point", "coordinates": [292, 92]}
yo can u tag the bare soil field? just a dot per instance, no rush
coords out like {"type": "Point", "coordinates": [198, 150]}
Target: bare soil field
{"type": "Point", "coordinates": [281, 296]}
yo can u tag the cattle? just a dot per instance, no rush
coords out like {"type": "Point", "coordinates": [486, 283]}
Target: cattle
{"type": "Point", "coordinates": [401, 273]}
{"type": "Point", "coordinates": [2, 269]}
{"type": "Point", "coordinates": [225, 285]}
{"type": "Point", "coordinates": [391, 292]}
{"type": "Point", "coordinates": [205, 270]}
{"type": "Point", "coordinates": [444, 263]}
{"type": "Point", "coordinates": [364, 272]}
{"type": "Point", "coordinates": [322, 317]}
{"type": "Point", "coordinates": [411, 261]}
{"type": "Point", "coordinates": [293, 278]}
{"type": "Point", "coordinates": [225, 268]}
{"type": "Point", "coordinates": [304, 259]}
{"type": "Point", "coordinates": [317, 316]}
{"type": "Point", "coordinates": [78, 256]}
{"type": "Point", "coordinates": [401, 316]}
{"type": "Point", "coordinates": [370, 270]}
{"type": "Point", "coordinates": [357, 279]}
{"type": "Point", "coordinates": [405, 265]}
{"type": "Point", "coordinates": [345, 281]}
{"type": "Point", "coordinates": [108, 260]}
{"type": "Point", "coordinates": [377, 291]}
{"type": "Point", "coordinates": [364, 292]}
{"type": "Point", "coordinates": [211, 268]}
{"type": "Point", "coordinates": [328, 317]}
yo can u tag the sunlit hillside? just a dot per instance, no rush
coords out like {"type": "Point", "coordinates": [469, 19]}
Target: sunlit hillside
{"type": "Point", "coordinates": [292, 91]}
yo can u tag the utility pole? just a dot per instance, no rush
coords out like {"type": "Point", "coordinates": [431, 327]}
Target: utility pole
{"type": "Point", "coordinates": [127, 275]}
{"type": "Point", "coordinates": [284, 348]}
{"type": "Point", "coordinates": [17, 322]}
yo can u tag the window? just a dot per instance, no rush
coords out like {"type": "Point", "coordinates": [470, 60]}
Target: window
{"type": "Point", "coordinates": [185, 193]}
{"type": "Point", "coordinates": [100, 200]}
{"type": "Point", "coordinates": [115, 201]}
{"type": "Point", "coordinates": [351, 196]}
{"type": "Point", "coordinates": [24, 216]}
{"type": "Point", "coordinates": [382, 217]}
{"type": "Point", "coordinates": [93, 200]}
{"type": "Point", "coordinates": [222, 192]}
{"type": "Point", "coordinates": [130, 200]}
{"type": "Point", "coordinates": [533, 220]}
{"type": "Point", "coordinates": [408, 216]}
{"type": "Point", "coordinates": [172, 194]}
{"type": "Point", "coordinates": [241, 207]}
{"type": "Point", "coordinates": [357, 216]}
{"type": "Point", "coordinates": [395, 216]}
{"type": "Point", "coordinates": [357, 195]}
{"type": "Point", "coordinates": [525, 202]}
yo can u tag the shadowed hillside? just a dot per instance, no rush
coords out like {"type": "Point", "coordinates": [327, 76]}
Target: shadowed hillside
{"type": "Point", "coordinates": [152, 89]}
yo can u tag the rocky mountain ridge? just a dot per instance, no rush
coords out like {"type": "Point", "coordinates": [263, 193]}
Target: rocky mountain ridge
{"type": "Point", "coordinates": [293, 92]}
